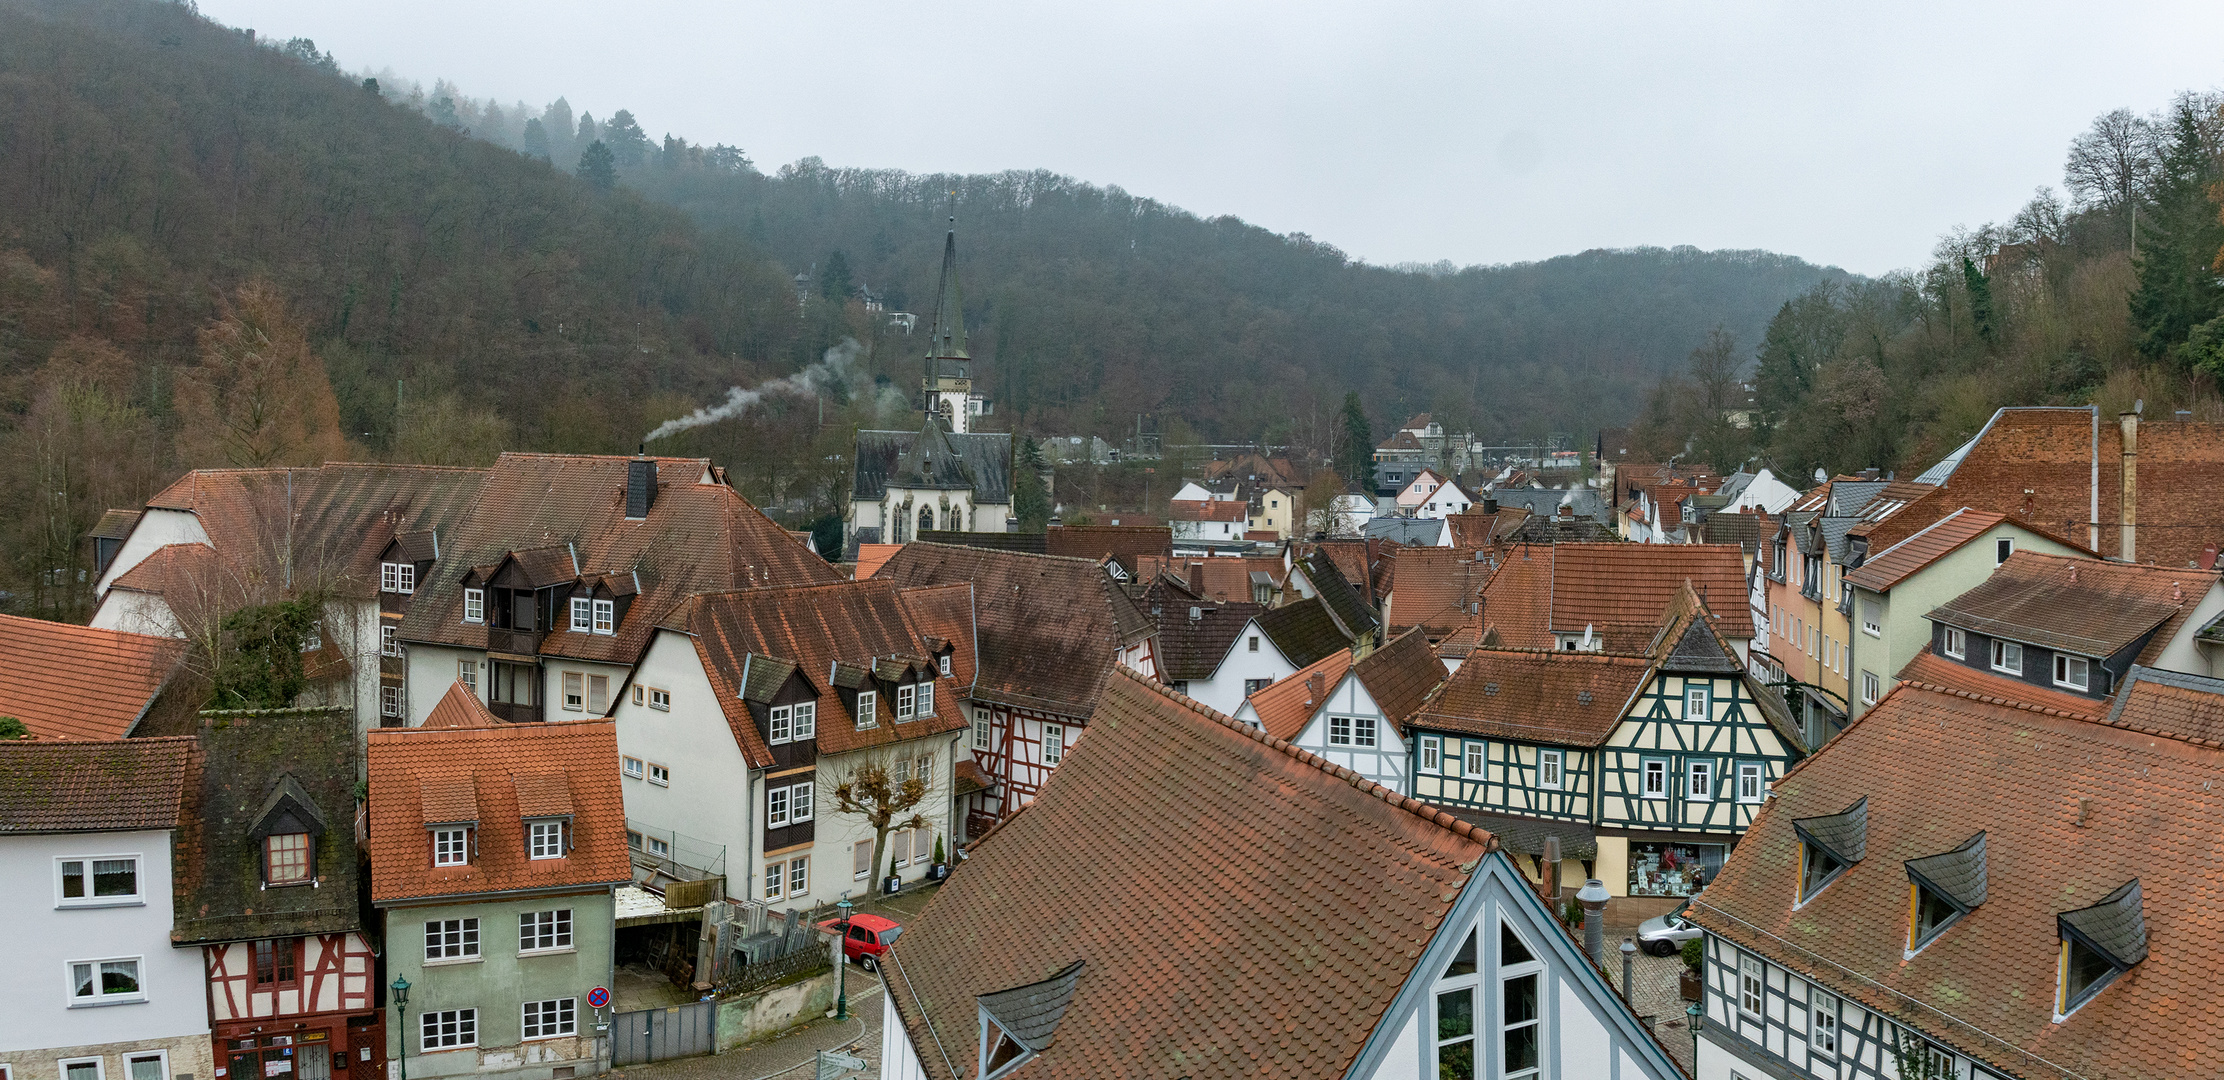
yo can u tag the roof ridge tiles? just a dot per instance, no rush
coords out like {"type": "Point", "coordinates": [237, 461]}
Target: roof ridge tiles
{"type": "Point", "coordinates": [1465, 829]}
{"type": "Point", "coordinates": [2006, 703]}
{"type": "Point", "coordinates": [1022, 554]}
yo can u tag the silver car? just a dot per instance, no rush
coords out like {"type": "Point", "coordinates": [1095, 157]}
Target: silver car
{"type": "Point", "coordinates": [1662, 935]}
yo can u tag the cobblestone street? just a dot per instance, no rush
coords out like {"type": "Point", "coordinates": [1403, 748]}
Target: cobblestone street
{"type": "Point", "coordinates": [1657, 996]}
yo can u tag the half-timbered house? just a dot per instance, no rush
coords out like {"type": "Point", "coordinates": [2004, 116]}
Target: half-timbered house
{"type": "Point", "coordinates": [1969, 886]}
{"type": "Point", "coordinates": [1049, 630]}
{"type": "Point", "coordinates": [269, 893]}
{"type": "Point", "coordinates": [1657, 759]}
{"type": "Point", "coordinates": [1352, 706]}
{"type": "Point", "coordinates": [767, 701]}
{"type": "Point", "coordinates": [1206, 957]}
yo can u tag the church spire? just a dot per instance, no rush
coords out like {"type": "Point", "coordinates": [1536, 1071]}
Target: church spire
{"type": "Point", "coordinates": [948, 341]}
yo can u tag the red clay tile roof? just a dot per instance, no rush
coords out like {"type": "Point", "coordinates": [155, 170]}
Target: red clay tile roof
{"type": "Point", "coordinates": [96, 786]}
{"type": "Point", "coordinates": [459, 708]}
{"type": "Point", "coordinates": [189, 577]}
{"type": "Point", "coordinates": [1193, 648]}
{"type": "Point", "coordinates": [1400, 675]}
{"type": "Point", "coordinates": [1248, 840]}
{"type": "Point", "coordinates": [1890, 566]}
{"type": "Point", "coordinates": [1286, 705]}
{"type": "Point", "coordinates": [1994, 971]}
{"type": "Point", "coordinates": [76, 682]}
{"type": "Point", "coordinates": [1473, 528]}
{"type": "Point", "coordinates": [421, 776]}
{"type": "Point", "coordinates": [1097, 541]}
{"type": "Point", "coordinates": [1435, 589]}
{"type": "Point", "coordinates": [946, 612]}
{"type": "Point", "coordinates": [1220, 578]}
{"type": "Point", "coordinates": [1937, 672]}
{"type": "Point", "coordinates": [871, 556]}
{"type": "Point", "coordinates": [1206, 510]}
{"type": "Point", "coordinates": [1050, 628]}
{"type": "Point", "coordinates": [699, 536]}
{"type": "Point", "coordinates": [2078, 604]}
{"type": "Point", "coordinates": [1540, 695]}
{"type": "Point", "coordinates": [814, 627]}
{"type": "Point", "coordinates": [1619, 590]}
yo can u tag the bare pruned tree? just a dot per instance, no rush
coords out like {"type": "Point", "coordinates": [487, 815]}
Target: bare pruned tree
{"type": "Point", "coordinates": [2110, 164]}
{"type": "Point", "coordinates": [883, 790]}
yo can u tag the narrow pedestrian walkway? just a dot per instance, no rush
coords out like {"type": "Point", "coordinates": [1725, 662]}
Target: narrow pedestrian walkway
{"type": "Point", "coordinates": [792, 1054]}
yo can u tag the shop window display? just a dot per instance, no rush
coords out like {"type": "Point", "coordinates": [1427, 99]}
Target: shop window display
{"type": "Point", "coordinates": [1672, 869]}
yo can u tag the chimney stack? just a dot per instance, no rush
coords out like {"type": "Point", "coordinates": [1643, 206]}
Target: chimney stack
{"type": "Point", "coordinates": [640, 485]}
{"type": "Point", "coordinates": [2129, 544]}
{"type": "Point", "coordinates": [1490, 503]}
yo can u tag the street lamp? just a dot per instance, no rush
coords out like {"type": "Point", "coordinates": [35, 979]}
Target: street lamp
{"type": "Point", "coordinates": [401, 1007]}
{"type": "Point", "coordinates": [1696, 1014]}
{"type": "Point", "coordinates": [841, 974]}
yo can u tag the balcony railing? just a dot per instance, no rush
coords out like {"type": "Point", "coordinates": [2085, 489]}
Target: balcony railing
{"type": "Point", "coordinates": [519, 642]}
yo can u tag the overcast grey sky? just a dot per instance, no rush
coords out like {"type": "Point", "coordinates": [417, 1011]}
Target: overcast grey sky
{"type": "Point", "coordinates": [1850, 133]}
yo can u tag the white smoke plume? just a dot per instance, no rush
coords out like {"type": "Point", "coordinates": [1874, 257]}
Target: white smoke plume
{"type": "Point", "coordinates": [838, 367]}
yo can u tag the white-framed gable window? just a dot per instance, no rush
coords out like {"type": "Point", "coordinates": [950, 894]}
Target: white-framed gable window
{"type": "Point", "coordinates": [1653, 781]}
{"type": "Point", "coordinates": [1695, 702]}
{"type": "Point", "coordinates": [474, 605]}
{"type": "Point", "coordinates": [1957, 643]}
{"type": "Point", "coordinates": [1752, 782]}
{"type": "Point", "coordinates": [780, 722]}
{"type": "Point", "coordinates": [2074, 672]}
{"type": "Point", "coordinates": [397, 577]}
{"type": "Point", "coordinates": [806, 721]}
{"type": "Point", "coordinates": [1432, 753]}
{"type": "Point", "coordinates": [545, 839]}
{"type": "Point", "coordinates": [923, 705]}
{"type": "Point", "coordinates": [942, 664]}
{"type": "Point", "coordinates": [450, 847]}
{"type": "Point", "coordinates": [1053, 743]}
{"type": "Point", "coordinates": [1549, 765]}
{"type": "Point", "coordinates": [906, 701]}
{"type": "Point", "coordinates": [582, 615]}
{"type": "Point", "coordinates": [97, 881]}
{"type": "Point", "coordinates": [606, 616]}
{"type": "Point", "coordinates": [868, 709]}
{"type": "Point", "coordinates": [1339, 731]}
{"type": "Point", "coordinates": [1700, 777]}
{"type": "Point", "coordinates": [1363, 731]}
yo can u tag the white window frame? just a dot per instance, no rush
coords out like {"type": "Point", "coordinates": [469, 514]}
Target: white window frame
{"type": "Point", "coordinates": [1552, 770]}
{"type": "Point", "coordinates": [1339, 731]}
{"type": "Point", "coordinates": [906, 695]}
{"type": "Point", "coordinates": [1534, 968]}
{"type": "Point", "coordinates": [806, 721]}
{"type": "Point", "coordinates": [461, 1021]}
{"type": "Point", "coordinates": [451, 940]}
{"type": "Point", "coordinates": [160, 1057]}
{"type": "Point", "coordinates": [544, 931]}
{"type": "Point", "coordinates": [1471, 757]}
{"type": "Point", "coordinates": [565, 1012]}
{"type": "Point", "coordinates": [801, 798]}
{"type": "Point", "coordinates": [1053, 744]}
{"type": "Point", "coordinates": [2002, 547]}
{"type": "Point", "coordinates": [575, 691]}
{"type": "Point", "coordinates": [776, 880]}
{"type": "Point", "coordinates": [1752, 782]}
{"type": "Point", "coordinates": [62, 1067]}
{"type": "Point", "coordinates": [2065, 665]}
{"type": "Point", "coordinates": [544, 839]}
{"type": "Point", "coordinates": [1697, 789]}
{"type": "Point", "coordinates": [1872, 618]}
{"type": "Point", "coordinates": [389, 577]}
{"type": "Point", "coordinates": [660, 775]}
{"type": "Point", "coordinates": [474, 605]}
{"type": "Point", "coordinates": [632, 768]}
{"type": "Point", "coordinates": [451, 852]}
{"type": "Point", "coordinates": [924, 704]}
{"type": "Point", "coordinates": [780, 724]}
{"type": "Point", "coordinates": [984, 730]}
{"type": "Point", "coordinates": [942, 664]}
{"type": "Point", "coordinates": [1696, 702]}
{"type": "Point", "coordinates": [137, 897]}
{"type": "Point", "coordinates": [1366, 732]}
{"type": "Point", "coordinates": [1822, 1022]}
{"type": "Point", "coordinates": [2001, 650]}
{"type": "Point", "coordinates": [868, 709]}
{"type": "Point", "coordinates": [776, 807]}
{"type": "Point", "coordinates": [1432, 753]}
{"type": "Point", "coordinates": [1752, 987]}
{"type": "Point", "coordinates": [389, 638]}
{"type": "Point", "coordinates": [467, 673]}
{"type": "Point", "coordinates": [97, 998]}
{"type": "Point", "coordinates": [582, 615]}
{"type": "Point", "coordinates": [606, 617]}
{"type": "Point", "coordinates": [660, 700]}
{"type": "Point", "coordinates": [662, 849]}
{"type": "Point", "coordinates": [389, 700]}
{"type": "Point", "coordinates": [1652, 778]}
{"type": "Point", "coordinates": [1956, 643]}
{"type": "Point", "coordinates": [799, 876]}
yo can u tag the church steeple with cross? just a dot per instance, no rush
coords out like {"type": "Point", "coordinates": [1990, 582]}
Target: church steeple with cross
{"type": "Point", "coordinates": [949, 376]}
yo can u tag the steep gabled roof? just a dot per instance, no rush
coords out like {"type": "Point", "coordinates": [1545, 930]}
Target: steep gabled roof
{"type": "Point", "coordinates": [57, 787]}
{"type": "Point", "coordinates": [1245, 834]}
{"type": "Point", "coordinates": [2172, 704]}
{"type": "Point", "coordinates": [420, 776]}
{"type": "Point", "coordinates": [299, 763]}
{"type": "Point", "coordinates": [2077, 604]}
{"type": "Point", "coordinates": [78, 682]}
{"type": "Point", "coordinates": [1400, 675]}
{"type": "Point", "coordinates": [1435, 588]}
{"type": "Point", "coordinates": [1192, 648]}
{"type": "Point", "coordinates": [946, 612]}
{"type": "Point", "coordinates": [985, 461]}
{"type": "Point", "coordinates": [1620, 591]}
{"type": "Point", "coordinates": [2065, 828]}
{"type": "Point", "coordinates": [1343, 601]}
{"type": "Point", "coordinates": [1285, 706]}
{"type": "Point", "coordinates": [1890, 566]}
{"type": "Point", "coordinates": [1050, 628]}
{"type": "Point", "coordinates": [1537, 695]}
{"type": "Point", "coordinates": [1303, 630]}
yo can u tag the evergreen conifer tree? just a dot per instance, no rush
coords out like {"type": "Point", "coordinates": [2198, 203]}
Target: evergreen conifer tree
{"type": "Point", "coordinates": [597, 167]}
{"type": "Point", "coordinates": [536, 139]}
{"type": "Point", "coordinates": [2179, 236]}
{"type": "Point", "coordinates": [1359, 443]}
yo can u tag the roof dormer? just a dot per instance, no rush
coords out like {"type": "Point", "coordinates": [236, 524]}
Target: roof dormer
{"type": "Point", "coordinates": [1829, 846]}
{"type": "Point", "coordinates": [287, 829]}
{"type": "Point", "coordinates": [449, 806]}
{"type": "Point", "coordinates": [1020, 1023]}
{"type": "Point", "coordinates": [1942, 889]}
{"type": "Point", "coordinates": [2099, 943]}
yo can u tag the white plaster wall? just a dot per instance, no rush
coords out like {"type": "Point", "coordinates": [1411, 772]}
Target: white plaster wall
{"type": "Point", "coordinates": [136, 613]}
{"type": "Point", "coordinates": [898, 1059]}
{"type": "Point", "coordinates": [834, 840]}
{"type": "Point", "coordinates": [156, 529]}
{"type": "Point", "coordinates": [42, 939]}
{"type": "Point", "coordinates": [1403, 1059]}
{"type": "Point", "coordinates": [713, 794]}
{"type": "Point", "coordinates": [1765, 492]}
{"type": "Point", "coordinates": [1224, 690]}
{"type": "Point", "coordinates": [553, 669]}
{"type": "Point", "coordinates": [2182, 654]}
{"type": "Point", "coordinates": [429, 672]}
{"type": "Point", "coordinates": [1385, 764]}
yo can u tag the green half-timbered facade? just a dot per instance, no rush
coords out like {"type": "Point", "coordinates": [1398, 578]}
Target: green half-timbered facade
{"type": "Point", "coordinates": [1657, 761]}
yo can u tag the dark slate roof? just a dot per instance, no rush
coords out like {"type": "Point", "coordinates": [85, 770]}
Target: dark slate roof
{"type": "Point", "coordinates": [1029, 543]}
{"type": "Point", "coordinates": [1834, 530]}
{"type": "Point", "coordinates": [1303, 630]}
{"type": "Point", "coordinates": [1849, 497]}
{"type": "Point", "coordinates": [1844, 834]}
{"type": "Point", "coordinates": [1958, 874]}
{"type": "Point", "coordinates": [52, 787]}
{"type": "Point", "coordinates": [763, 676]}
{"type": "Point", "coordinates": [1545, 502]}
{"type": "Point", "coordinates": [1412, 532]}
{"type": "Point", "coordinates": [1700, 649]}
{"type": "Point", "coordinates": [986, 460]}
{"type": "Point", "coordinates": [1526, 836]}
{"type": "Point", "coordinates": [114, 525]}
{"type": "Point", "coordinates": [1030, 1013]}
{"type": "Point", "coordinates": [1334, 590]}
{"type": "Point", "coordinates": [255, 767]}
{"type": "Point", "coordinates": [2117, 926]}
{"type": "Point", "coordinates": [1193, 648]}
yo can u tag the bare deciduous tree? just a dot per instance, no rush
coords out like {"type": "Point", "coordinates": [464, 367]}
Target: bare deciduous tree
{"type": "Point", "coordinates": [2110, 164]}
{"type": "Point", "coordinates": [883, 791]}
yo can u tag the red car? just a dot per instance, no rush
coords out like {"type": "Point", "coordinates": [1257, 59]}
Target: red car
{"type": "Point", "coordinates": [864, 937]}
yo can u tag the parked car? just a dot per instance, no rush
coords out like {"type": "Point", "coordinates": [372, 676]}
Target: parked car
{"type": "Point", "coordinates": [1662, 935]}
{"type": "Point", "coordinates": [864, 937]}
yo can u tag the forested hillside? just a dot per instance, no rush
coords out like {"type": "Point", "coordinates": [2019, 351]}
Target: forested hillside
{"type": "Point", "coordinates": [2114, 296]}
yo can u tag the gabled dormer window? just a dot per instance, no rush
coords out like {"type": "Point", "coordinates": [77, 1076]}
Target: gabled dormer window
{"type": "Point", "coordinates": [1828, 846]}
{"type": "Point", "coordinates": [906, 701]}
{"type": "Point", "coordinates": [582, 615]}
{"type": "Point", "coordinates": [397, 577]}
{"type": "Point", "coordinates": [1944, 888]}
{"type": "Point", "coordinates": [868, 709]}
{"type": "Point", "coordinates": [450, 847]}
{"type": "Point", "coordinates": [1018, 1023]}
{"type": "Point", "coordinates": [606, 616]}
{"type": "Point", "coordinates": [546, 839]}
{"type": "Point", "coordinates": [474, 605]}
{"type": "Point", "coordinates": [943, 664]}
{"type": "Point", "coordinates": [2099, 943]}
{"type": "Point", "coordinates": [286, 858]}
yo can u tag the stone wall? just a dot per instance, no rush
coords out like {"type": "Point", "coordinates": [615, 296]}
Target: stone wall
{"type": "Point", "coordinates": [756, 1016]}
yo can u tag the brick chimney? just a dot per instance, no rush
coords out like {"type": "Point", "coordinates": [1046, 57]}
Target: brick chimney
{"type": "Point", "coordinates": [2130, 503]}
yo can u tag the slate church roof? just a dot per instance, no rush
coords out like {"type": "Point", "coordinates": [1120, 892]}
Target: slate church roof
{"type": "Point", "coordinates": [980, 461]}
